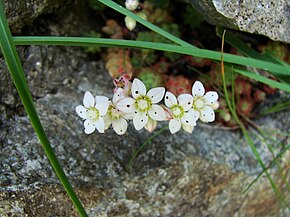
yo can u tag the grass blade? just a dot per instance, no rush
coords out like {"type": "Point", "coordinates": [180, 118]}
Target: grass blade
{"type": "Point", "coordinates": [13, 63]}
{"type": "Point", "coordinates": [267, 168]}
{"type": "Point", "coordinates": [244, 131]}
{"type": "Point", "coordinates": [202, 53]}
{"type": "Point", "coordinates": [149, 25]}
{"type": "Point", "coordinates": [246, 50]}
{"type": "Point", "coordinates": [262, 79]}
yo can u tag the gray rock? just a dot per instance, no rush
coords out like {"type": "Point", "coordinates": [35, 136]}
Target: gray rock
{"type": "Point", "coordinates": [269, 18]}
{"type": "Point", "coordinates": [21, 12]}
{"type": "Point", "coordinates": [174, 175]}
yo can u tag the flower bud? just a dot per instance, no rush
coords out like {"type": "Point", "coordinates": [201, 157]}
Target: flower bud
{"type": "Point", "coordinates": [130, 23]}
{"type": "Point", "coordinates": [131, 4]}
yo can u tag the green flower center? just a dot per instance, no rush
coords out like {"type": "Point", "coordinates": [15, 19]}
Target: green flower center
{"type": "Point", "coordinates": [177, 111]}
{"type": "Point", "coordinates": [143, 103]}
{"type": "Point", "coordinates": [198, 103]}
{"type": "Point", "coordinates": [93, 113]}
{"type": "Point", "coordinates": [113, 112]}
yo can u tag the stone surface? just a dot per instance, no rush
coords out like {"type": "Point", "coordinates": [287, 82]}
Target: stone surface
{"type": "Point", "coordinates": [199, 174]}
{"type": "Point", "coordinates": [189, 187]}
{"type": "Point", "coordinates": [180, 175]}
{"type": "Point", "coordinates": [269, 18]}
{"type": "Point", "coordinates": [22, 12]}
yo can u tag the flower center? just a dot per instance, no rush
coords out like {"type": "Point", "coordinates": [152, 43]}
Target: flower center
{"type": "Point", "coordinates": [143, 103]}
{"type": "Point", "coordinates": [177, 111]}
{"type": "Point", "coordinates": [93, 113]}
{"type": "Point", "coordinates": [199, 103]}
{"type": "Point", "coordinates": [113, 112]}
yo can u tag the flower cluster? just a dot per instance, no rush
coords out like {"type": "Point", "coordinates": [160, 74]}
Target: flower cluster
{"type": "Point", "coordinates": [132, 101]}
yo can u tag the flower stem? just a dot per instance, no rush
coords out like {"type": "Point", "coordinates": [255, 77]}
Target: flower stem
{"type": "Point", "coordinates": [136, 153]}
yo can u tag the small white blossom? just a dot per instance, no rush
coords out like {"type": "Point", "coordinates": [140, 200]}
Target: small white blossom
{"type": "Point", "coordinates": [131, 4]}
{"type": "Point", "coordinates": [143, 105]}
{"type": "Point", "coordinates": [114, 116]}
{"type": "Point", "coordinates": [204, 103]}
{"type": "Point", "coordinates": [181, 111]}
{"type": "Point", "coordinates": [93, 111]}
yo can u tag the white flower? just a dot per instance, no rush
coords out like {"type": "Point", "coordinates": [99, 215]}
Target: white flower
{"type": "Point", "coordinates": [116, 117]}
{"type": "Point", "coordinates": [131, 4]}
{"type": "Point", "coordinates": [204, 103]}
{"type": "Point", "coordinates": [181, 111]}
{"type": "Point", "coordinates": [93, 112]}
{"type": "Point", "coordinates": [143, 105]}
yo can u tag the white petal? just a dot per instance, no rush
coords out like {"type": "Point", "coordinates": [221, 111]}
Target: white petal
{"type": "Point", "coordinates": [211, 97]}
{"type": "Point", "coordinates": [102, 108]}
{"type": "Point", "coordinates": [108, 121]}
{"type": "Point", "coordinates": [207, 114]}
{"type": "Point", "coordinates": [100, 125]}
{"type": "Point", "coordinates": [89, 100]}
{"type": "Point", "coordinates": [128, 116]}
{"type": "Point", "coordinates": [170, 99]}
{"type": "Point", "coordinates": [120, 126]}
{"type": "Point", "coordinates": [151, 125]}
{"type": "Point", "coordinates": [156, 94]}
{"type": "Point", "coordinates": [187, 128]}
{"type": "Point", "coordinates": [90, 126]}
{"type": "Point", "coordinates": [138, 88]}
{"type": "Point", "coordinates": [190, 117]}
{"type": "Point", "coordinates": [102, 99]}
{"type": "Point", "coordinates": [185, 100]}
{"type": "Point", "coordinates": [198, 89]}
{"type": "Point", "coordinates": [174, 125]}
{"type": "Point", "coordinates": [157, 113]}
{"type": "Point", "coordinates": [118, 95]}
{"type": "Point", "coordinates": [140, 120]}
{"type": "Point", "coordinates": [81, 111]}
{"type": "Point", "coordinates": [126, 105]}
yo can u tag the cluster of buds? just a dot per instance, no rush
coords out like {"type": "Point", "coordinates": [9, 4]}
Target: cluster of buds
{"type": "Point", "coordinates": [132, 5]}
{"type": "Point", "coordinates": [132, 101]}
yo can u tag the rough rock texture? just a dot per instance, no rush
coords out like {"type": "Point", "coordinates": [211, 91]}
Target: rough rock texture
{"type": "Point", "coordinates": [269, 18]}
{"type": "Point", "coordinates": [189, 187]}
{"type": "Point", "coordinates": [23, 12]}
{"type": "Point", "coordinates": [180, 175]}
{"type": "Point", "coordinates": [33, 59]}
{"type": "Point", "coordinates": [202, 174]}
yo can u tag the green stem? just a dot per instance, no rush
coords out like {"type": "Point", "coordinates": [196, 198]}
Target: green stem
{"type": "Point", "coordinates": [13, 63]}
{"type": "Point", "coordinates": [135, 154]}
{"type": "Point", "coordinates": [244, 131]}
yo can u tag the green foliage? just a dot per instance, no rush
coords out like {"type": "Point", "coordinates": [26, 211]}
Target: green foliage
{"type": "Point", "coordinates": [163, 4]}
{"type": "Point", "coordinates": [93, 49]}
{"type": "Point", "coordinates": [191, 17]}
{"type": "Point", "coordinates": [150, 78]}
{"type": "Point", "coordinates": [96, 5]}
{"type": "Point", "coordinates": [152, 36]}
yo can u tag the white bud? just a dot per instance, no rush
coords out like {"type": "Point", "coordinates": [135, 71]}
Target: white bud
{"type": "Point", "coordinates": [215, 105]}
{"type": "Point", "coordinates": [142, 15]}
{"type": "Point", "coordinates": [130, 23]}
{"type": "Point", "coordinates": [131, 4]}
